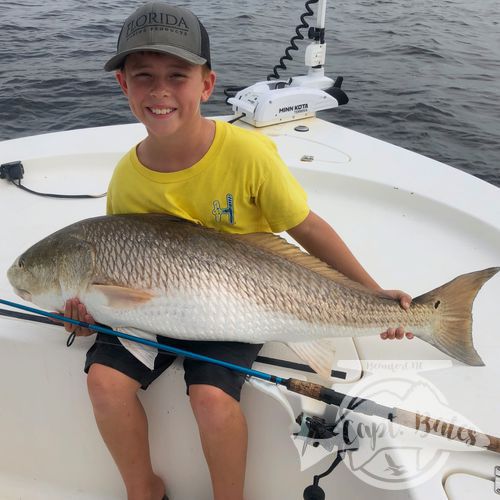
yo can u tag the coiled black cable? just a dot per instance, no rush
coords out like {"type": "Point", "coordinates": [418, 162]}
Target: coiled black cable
{"type": "Point", "coordinates": [293, 46]}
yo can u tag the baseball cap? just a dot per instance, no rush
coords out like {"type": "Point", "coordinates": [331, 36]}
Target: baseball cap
{"type": "Point", "coordinates": [159, 27]}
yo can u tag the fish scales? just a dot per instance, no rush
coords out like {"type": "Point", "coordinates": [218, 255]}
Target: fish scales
{"type": "Point", "coordinates": [198, 261]}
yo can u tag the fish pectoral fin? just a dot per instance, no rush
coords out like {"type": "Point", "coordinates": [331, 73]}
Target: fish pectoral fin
{"type": "Point", "coordinates": [119, 297]}
{"type": "Point", "coordinates": [318, 354]}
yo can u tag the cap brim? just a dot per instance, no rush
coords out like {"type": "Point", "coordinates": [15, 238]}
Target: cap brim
{"type": "Point", "coordinates": [116, 61]}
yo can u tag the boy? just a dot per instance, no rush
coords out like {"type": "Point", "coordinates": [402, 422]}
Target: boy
{"type": "Point", "coordinates": [214, 174]}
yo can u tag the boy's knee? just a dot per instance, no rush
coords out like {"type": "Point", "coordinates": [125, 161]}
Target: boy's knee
{"type": "Point", "coordinates": [108, 387]}
{"type": "Point", "coordinates": [212, 406]}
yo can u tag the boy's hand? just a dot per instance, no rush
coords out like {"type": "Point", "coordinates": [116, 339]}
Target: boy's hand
{"type": "Point", "coordinates": [405, 301]}
{"type": "Point", "coordinates": [74, 309]}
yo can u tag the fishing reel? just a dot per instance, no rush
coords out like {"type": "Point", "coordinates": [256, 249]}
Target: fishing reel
{"type": "Point", "coordinates": [316, 432]}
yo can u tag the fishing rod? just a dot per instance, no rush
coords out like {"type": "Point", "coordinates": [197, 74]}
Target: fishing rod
{"type": "Point", "coordinates": [312, 390]}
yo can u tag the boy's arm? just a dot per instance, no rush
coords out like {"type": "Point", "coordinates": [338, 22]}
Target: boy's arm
{"type": "Point", "coordinates": [317, 237]}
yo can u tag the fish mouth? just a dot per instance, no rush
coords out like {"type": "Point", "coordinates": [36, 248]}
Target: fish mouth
{"type": "Point", "coordinates": [24, 294]}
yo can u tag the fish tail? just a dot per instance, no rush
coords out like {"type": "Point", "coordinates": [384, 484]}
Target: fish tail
{"type": "Point", "coordinates": [453, 331]}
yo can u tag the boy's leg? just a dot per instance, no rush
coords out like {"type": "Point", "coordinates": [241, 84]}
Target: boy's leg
{"type": "Point", "coordinates": [223, 433]}
{"type": "Point", "coordinates": [214, 393]}
{"type": "Point", "coordinates": [123, 425]}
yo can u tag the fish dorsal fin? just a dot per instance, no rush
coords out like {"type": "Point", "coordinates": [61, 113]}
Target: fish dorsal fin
{"type": "Point", "coordinates": [119, 297]}
{"type": "Point", "coordinates": [277, 245]}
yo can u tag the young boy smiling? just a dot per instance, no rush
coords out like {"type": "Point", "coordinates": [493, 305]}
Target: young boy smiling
{"type": "Point", "coordinates": [172, 117]}
{"type": "Point", "coordinates": [214, 174]}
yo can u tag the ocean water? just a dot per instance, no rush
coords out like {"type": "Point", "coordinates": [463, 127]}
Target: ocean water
{"type": "Point", "coordinates": [424, 75]}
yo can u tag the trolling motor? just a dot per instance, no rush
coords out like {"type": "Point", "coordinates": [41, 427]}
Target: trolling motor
{"type": "Point", "coordinates": [269, 102]}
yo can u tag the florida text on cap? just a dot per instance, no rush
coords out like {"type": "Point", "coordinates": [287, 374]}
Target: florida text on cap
{"type": "Point", "coordinates": [159, 27]}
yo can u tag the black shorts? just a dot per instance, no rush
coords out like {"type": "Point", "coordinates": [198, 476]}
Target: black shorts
{"type": "Point", "coordinates": [109, 351]}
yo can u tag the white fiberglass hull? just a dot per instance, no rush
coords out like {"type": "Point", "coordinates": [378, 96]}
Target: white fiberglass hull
{"type": "Point", "coordinates": [413, 222]}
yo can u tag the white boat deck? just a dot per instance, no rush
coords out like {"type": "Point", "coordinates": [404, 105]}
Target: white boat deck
{"type": "Point", "coordinates": [414, 224]}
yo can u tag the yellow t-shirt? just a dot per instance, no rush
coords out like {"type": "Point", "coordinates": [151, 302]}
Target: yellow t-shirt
{"type": "Point", "coordinates": [241, 185]}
